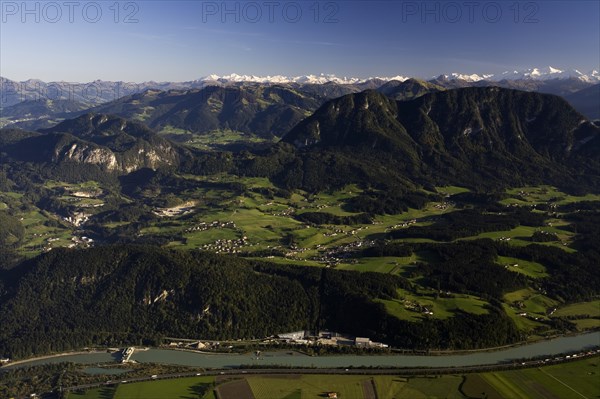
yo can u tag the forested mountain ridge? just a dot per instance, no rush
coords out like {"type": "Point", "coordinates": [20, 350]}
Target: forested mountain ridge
{"type": "Point", "coordinates": [459, 136]}
{"type": "Point", "coordinates": [408, 89]}
{"type": "Point", "coordinates": [120, 294]}
{"type": "Point", "coordinates": [263, 111]}
{"type": "Point", "coordinates": [474, 137]}
{"type": "Point", "coordinates": [109, 142]}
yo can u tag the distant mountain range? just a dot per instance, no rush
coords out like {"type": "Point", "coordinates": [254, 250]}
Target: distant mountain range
{"type": "Point", "coordinates": [305, 79]}
{"type": "Point", "coordinates": [587, 101]}
{"type": "Point", "coordinates": [264, 108]}
{"type": "Point", "coordinates": [545, 73]}
{"type": "Point", "coordinates": [478, 137]}
{"type": "Point", "coordinates": [99, 91]}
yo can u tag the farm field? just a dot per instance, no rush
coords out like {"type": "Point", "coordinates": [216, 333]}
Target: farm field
{"type": "Point", "coordinates": [306, 386]}
{"type": "Point", "coordinates": [415, 307]}
{"type": "Point", "coordinates": [528, 268]}
{"type": "Point", "coordinates": [585, 315]}
{"type": "Point", "coordinates": [182, 388]}
{"type": "Point", "coordinates": [591, 309]}
{"type": "Point", "coordinates": [544, 194]}
{"type": "Point", "coordinates": [564, 381]}
{"type": "Point", "coordinates": [97, 393]}
{"type": "Point", "coordinates": [571, 380]}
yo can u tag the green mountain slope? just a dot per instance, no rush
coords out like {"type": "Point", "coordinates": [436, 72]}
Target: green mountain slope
{"type": "Point", "coordinates": [471, 136]}
{"type": "Point", "coordinates": [265, 111]}
{"type": "Point", "coordinates": [116, 295]}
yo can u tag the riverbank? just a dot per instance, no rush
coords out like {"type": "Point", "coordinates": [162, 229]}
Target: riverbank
{"type": "Point", "coordinates": [53, 356]}
{"type": "Point", "coordinates": [554, 348]}
{"type": "Point", "coordinates": [495, 348]}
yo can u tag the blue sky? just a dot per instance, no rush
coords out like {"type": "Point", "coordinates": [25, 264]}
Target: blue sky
{"type": "Point", "coordinates": [184, 40]}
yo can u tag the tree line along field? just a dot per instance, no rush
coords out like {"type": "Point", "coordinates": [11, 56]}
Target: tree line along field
{"type": "Point", "coordinates": [568, 380]}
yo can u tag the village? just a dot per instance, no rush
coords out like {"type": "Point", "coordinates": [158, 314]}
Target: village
{"type": "Point", "coordinates": [296, 338]}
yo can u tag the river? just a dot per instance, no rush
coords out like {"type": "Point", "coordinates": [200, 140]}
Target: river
{"type": "Point", "coordinates": [546, 348]}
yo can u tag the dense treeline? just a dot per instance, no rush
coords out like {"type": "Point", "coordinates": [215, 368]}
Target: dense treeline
{"type": "Point", "coordinates": [471, 266]}
{"type": "Point", "coordinates": [467, 267]}
{"type": "Point", "coordinates": [544, 236]}
{"type": "Point", "coordinates": [464, 330]}
{"type": "Point", "coordinates": [12, 231]}
{"type": "Point", "coordinates": [346, 304]}
{"type": "Point", "coordinates": [470, 222]}
{"type": "Point", "coordinates": [573, 276]}
{"type": "Point", "coordinates": [115, 295]}
{"type": "Point", "coordinates": [320, 218]}
{"type": "Point", "coordinates": [392, 201]}
{"type": "Point", "coordinates": [126, 213]}
{"type": "Point", "coordinates": [111, 295]}
{"type": "Point", "coordinates": [478, 199]}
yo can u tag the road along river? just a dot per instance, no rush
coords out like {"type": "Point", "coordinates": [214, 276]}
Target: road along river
{"type": "Point", "coordinates": [545, 349]}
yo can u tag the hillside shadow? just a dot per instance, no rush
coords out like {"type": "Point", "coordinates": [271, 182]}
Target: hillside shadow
{"type": "Point", "coordinates": [199, 390]}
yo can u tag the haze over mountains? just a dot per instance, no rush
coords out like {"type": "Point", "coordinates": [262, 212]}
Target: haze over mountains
{"type": "Point", "coordinates": [261, 107]}
{"type": "Point", "coordinates": [101, 91]}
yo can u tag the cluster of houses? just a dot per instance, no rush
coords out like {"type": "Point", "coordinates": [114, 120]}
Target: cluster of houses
{"type": "Point", "coordinates": [416, 307]}
{"type": "Point", "coordinates": [76, 242]}
{"type": "Point", "coordinates": [333, 233]}
{"type": "Point", "coordinates": [203, 226]}
{"type": "Point", "coordinates": [334, 256]}
{"type": "Point", "coordinates": [444, 205]}
{"type": "Point", "coordinates": [77, 219]}
{"type": "Point", "coordinates": [402, 225]}
{"type": "Point", "coordinates": [284, 213]}
{"type": "Point", "coordinates": [226, 246]}
{"type": "Point", "coordinates": [82, 242]}
{"type": "Point", "coordinates": [179, 210]}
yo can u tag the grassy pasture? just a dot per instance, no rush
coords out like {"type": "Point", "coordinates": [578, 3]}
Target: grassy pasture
{"type": "Point", "coordinates": [528, 268]}
{"type": "Point", "coordinates": [411, 306]}
{"type": "Point", "coordinates": [181, 388]}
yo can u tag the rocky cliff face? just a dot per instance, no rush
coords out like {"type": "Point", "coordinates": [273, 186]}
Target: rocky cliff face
{"type": "Point", "coordinates": [114, 144]}
{"type": "Point", "coordinates": [82, 152]}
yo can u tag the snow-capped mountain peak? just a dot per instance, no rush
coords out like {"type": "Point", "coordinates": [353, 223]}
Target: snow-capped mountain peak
{"type": "Point", "coordinates": [548, 73]}
{"type": "Point", "coordinates": [471, 78]}
{"type": "Point", "coordinates": [304, 79]}
{"type": "Point", "coordinates": [544, 73]}
{"type": "Point", "coordinates": [556, 70]}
